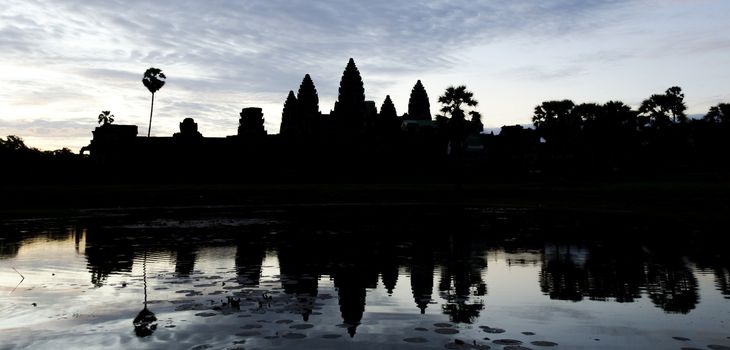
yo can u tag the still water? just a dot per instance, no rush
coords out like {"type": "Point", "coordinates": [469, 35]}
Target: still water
{"type": "Point", "coordinates": [360, 277]}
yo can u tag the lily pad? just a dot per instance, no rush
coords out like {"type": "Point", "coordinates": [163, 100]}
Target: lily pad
{"type": "Point", "coordinates": [491, 330]}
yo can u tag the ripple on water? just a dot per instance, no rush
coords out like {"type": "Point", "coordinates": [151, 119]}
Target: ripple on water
{"type": "Point", "coordinates": [201, 347]}
{"type": "Point", "coordinates": [507, 342]}
{"type": "Point", "coordinates": [251, 326]}
{"type": "Point", "coordinates": [293, 336]}
{"type": "Point", "coordinates": [457, 346]}
{"type": "Point", "coordinates": [516, 347]}
{"type": "Point", "coordinates": [416, 340]}
{"type": "Point", "coordinates": [681, 338]}
{"type": "Point", "coordinates": [718, 347]}
{"type": "Point", "coordinates": [446, 331]}
{"type": "Point", "coordinates": [301, 326]}
{"type": "Point", "coordinates": [248, 334]}
{"type": "Point", "coordinates": [543, 343]}
{"type": "Point", "coordinates": [331, 336]}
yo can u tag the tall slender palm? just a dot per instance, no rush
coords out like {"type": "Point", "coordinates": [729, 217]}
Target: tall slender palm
{"type": "Point", "coordinates": [153, 80]}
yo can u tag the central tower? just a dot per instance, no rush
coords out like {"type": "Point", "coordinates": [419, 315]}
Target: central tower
{"type": "Point", "coordinates": [350, 111]}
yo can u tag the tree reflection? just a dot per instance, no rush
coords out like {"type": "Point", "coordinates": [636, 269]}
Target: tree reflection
{"type": "Point", "coordinates": [461, 279]}
{"type": "Point", "coordinates": [146, 322]}
{"type": "Point", "coordinates": [618, 273]}
{"type": "Point", "coordinates": [672, 286]}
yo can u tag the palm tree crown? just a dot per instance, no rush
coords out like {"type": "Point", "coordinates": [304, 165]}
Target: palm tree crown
{"type": "Point", "coordinates": [454, 97]}
{"type": "Point", "coordinates": [153, 79]}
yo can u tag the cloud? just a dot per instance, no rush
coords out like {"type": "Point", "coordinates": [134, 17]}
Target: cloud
{"type": "Point", "coordinates": [221, 55]}
{"type": "Point", "coordinates": [49, 128]}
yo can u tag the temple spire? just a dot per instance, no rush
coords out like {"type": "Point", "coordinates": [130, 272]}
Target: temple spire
{"type": "Point", "coordinates": [418, 106]}
{"type": "Point", "coordinates": [350, 105]}
{"type": "Point", "coordinates": [308, 107]}
{"type": "Point", "coordinates": [288, 115]}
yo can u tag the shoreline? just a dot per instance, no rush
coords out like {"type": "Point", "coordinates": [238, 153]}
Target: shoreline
{"type": "Point", "coordinates": [677, 199]}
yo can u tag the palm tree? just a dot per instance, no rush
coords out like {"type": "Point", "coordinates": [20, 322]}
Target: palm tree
{"type": "Point", "coordinates": [454, 97]}
{"type": "Point", "coordinates": [105, 117]}
{"type": "Point", "coordinates": [153, 80]}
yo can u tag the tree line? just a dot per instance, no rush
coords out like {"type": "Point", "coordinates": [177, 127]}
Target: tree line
{"type": "Point", "coordinates": [613, 137]}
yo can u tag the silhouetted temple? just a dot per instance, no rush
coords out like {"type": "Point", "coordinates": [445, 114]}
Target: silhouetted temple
{"type": "Point", "coordinates": [354, 140]}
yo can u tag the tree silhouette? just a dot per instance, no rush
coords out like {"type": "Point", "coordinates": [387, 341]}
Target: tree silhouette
{"type": "Point", "coordinates": [551, 117]}
{"type": "Point", "coordinates": [13, 143]}
{"type": "Point", "coordinates": [475, 125]}
{"type": "Point", "coordinates": [105, 117]}
{"type": "Point", "coordinates": [659, 111]}
{"type": "Point", "coordinates": [153, 80]}
{"type": "Point", "coordinates": [454, 98]}
{"type": "Point", "coordinates": [719, 114]}
{"type": "Point", "coordinates": [419, 107]}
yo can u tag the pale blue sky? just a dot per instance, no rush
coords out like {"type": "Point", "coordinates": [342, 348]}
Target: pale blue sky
{"type": "Point", "coordinates": [62, 62]}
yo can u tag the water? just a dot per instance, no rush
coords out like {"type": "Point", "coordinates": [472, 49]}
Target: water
{"type": "Point", "coordinates": [333, 277]}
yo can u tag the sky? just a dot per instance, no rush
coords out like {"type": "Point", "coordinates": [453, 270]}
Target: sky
{"type": "Point", "coordinates": [64, 61]}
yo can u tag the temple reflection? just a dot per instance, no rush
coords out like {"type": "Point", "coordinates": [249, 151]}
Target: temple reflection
{"type": "Point", "coordinates": [107, 253]}
{"type": "Point", "coordinates": [446, 271]}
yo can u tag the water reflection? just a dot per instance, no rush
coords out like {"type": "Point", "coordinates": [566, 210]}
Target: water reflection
{"type": "Point", "coordinates": [461, 278]}
{"type": "Point", "coordinates": [145, 323]}
{"type": "Point", "coordinates": [619, 274]}
{"type": "Point", "coordinates": [430, 265]}
{"type": "Point", "coordinates": [107, 253]}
